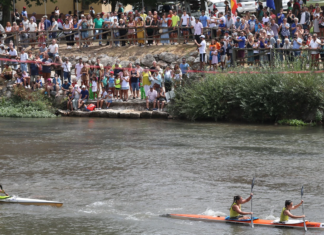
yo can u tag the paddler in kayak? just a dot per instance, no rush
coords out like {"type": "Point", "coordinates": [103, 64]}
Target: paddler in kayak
{"type": "Point", "coordinates": [235, 210]}
{"type": "Point", "coordinates": [285, 213]}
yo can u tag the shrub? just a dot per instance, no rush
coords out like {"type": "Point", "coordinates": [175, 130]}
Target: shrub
{"type": "Point", "coordinates": [269, 96]}
{"type": "Point", "coordinates": [26, 104]}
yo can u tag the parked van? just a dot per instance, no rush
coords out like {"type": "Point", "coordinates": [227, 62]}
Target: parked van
{"type": "Point", "coordinates": [194, 7]}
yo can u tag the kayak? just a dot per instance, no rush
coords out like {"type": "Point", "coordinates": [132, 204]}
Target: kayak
{"type": "Point", "coordinates": [28, 201]}
{"type": "Point", "coordinates": [256, 221]}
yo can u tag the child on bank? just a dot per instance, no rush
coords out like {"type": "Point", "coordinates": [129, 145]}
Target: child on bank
{"type": "Point", "coordinates": [94, 86]}
{"type": "Point", "coordinates": [117, 87]}
{"type": "Point", "coordinates": [214, 61]}
{"type": "Point", "coordinates": [142, 91]}
{"type": "Point", "coordinates": [111, 82]}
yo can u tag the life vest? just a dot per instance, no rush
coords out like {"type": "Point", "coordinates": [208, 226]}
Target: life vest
{"type": "Point", "coordinates": [91, 107]}
{"type": "Point", "coordinates": [283, 217]}
{"type": "Point", "coordinates": [234, 213]}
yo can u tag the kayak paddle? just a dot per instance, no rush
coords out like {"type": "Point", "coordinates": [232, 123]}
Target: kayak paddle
{"type": "Point", "coordinates": [302, 193]}
{"type": "Point", "coordinates": [252, 185]}
{"type": "Point", "coordinates": [3, 190]}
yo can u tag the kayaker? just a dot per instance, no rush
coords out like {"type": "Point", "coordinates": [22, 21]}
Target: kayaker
{"type": "Point", "coordinates": [285, 213]}
{"type": "Point", "coordinates": [235, 210]}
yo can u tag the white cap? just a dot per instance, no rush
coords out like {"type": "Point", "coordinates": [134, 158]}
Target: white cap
{"type": "Point", "coordinates": [83, 86]}
{"type": "Point", "coordinates": [202, 36]}
{"type": "Point", "coordinates": [82, 15]}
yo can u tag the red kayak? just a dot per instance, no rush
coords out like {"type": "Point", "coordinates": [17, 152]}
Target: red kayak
{"type": "Point", "coordinates": [256, 221]}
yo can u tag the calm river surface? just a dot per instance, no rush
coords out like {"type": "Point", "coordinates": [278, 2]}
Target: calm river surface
{"type": "Point", "coordinates": [116, 176]}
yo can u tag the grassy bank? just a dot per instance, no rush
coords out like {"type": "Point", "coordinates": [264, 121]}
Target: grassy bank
{"type": "Point", "coordinates": [26, 104]}
{"type": "Point", "coordinates": [265, 97]}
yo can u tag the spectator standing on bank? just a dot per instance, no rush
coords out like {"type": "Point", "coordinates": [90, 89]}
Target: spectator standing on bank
{"type": "Point", "coordinates": [198, 28]}
{"type": "Point", "coordinates": [77, 69]}
{"type": "Point", "coordinates": [241, 43]}
{"type": "Point", "coordinates": [120, 11]}
{"type": "Point", "coordinates": [41, 35]}
{"type": "Point", "coordinates": [175, 24]}
{"type": "Point", "coordinates": [202, 51]}
{"type": "Point", "coordinates": [67, 66]}
{"type": "Point", "coordinates": [314, 44]}
{"type": "Point", "coordinates": [285, 29]}
{"type": "Point", "coordinates": [305, 18]}
{"type": "Point", "coordinates": [24, 12]}
{"type": "Point", "coordinates": [98, 24]}
{"type": "Point", "coordinates": [185, 26]}
{"type": "Point", "coordinates": [47, 62]}
{"type": "Point", "coordinates": [203, 19]}
{"type": "Point", "coordinates": [54, 27]}
{"type": "Point", "coordinates": [32, 28]}
{"type": "Point", "coordinates": [23, 58]}
{"type": "Point", "coordinates": [184, 66]}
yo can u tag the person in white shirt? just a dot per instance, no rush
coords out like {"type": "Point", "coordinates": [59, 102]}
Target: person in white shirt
{"type": "Point", "coordinates": [314, 44]}
{"type": "Point", "coordinates": [198, 30]}
{"type": "Point", "coordinates": [67, 69]}
{"type": "Point", "coordinates": [32, 29]}
{"type": "Point", "coordinates": [184, 22]}
{"type": "Point", "coordinates": [202, 51]}
{"type": "Point", "coordinates": [77, 69]}
{"type": "Point", "coordinates": [151, 98]}
{"type": "Point", "coordinates": [53, 49]}
{"type": "Point", "coordinates": [265, 19]}
{"type": "Point", "coordinates": [192, 23]}
{"type": "Point", "coordinates": [13, 55]}
{"type": "Point", "coordinates": [23, 57]}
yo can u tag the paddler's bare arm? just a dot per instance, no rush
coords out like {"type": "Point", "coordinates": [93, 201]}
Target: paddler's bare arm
{"type": "Point", "coordinates": [295, 207]}
{"type": "Point", "coordinates": [248, 199]}
{"type": "Point", "coordinates": [238, 210]}
{"type": "Point", "coordinates": [287, 212]}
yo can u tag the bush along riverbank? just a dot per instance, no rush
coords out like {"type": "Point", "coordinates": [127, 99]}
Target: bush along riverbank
{"type": "Point", "coordinates": [253, 97]}
{"type": "Point", "coordinates": [26, 104]}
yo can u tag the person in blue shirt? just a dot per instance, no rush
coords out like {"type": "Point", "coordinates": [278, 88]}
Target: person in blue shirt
{"type": "Point", "coordinates": [184, 68]}
{"type": "Point", "coordinates": [280, 17]}
{"type": "Point", "coordinates": [38, 83]}
{"type": "Point", "coordinates": [57, 84]}
{"type": "Point", "coordinates": [203, 19]}
{"type": "Point", "coordinates": [84, 96]}
{"type": "Point", "coordinates": [238, 22]}
{"type": "Point", "coordinates": [65, 87]}
{"type": "Point", "coordinates": [252, 23]}
{"type": "Point", "coordinates": [47, 23]}
{"type": "Point", "coordinates": [241, 44]}
{"type": "Point", "coordinates": [221, 27]}
{"type": "Point", "coordinates": [293, 26]}
{"type": "Point", "coordinates": [24, 12]}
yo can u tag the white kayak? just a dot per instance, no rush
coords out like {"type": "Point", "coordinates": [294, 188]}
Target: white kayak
{"type": "Point", "coordinates": [29, 201]}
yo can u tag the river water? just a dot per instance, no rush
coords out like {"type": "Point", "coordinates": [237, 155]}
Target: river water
{"type": "Point", "coordinates": [116, 176]}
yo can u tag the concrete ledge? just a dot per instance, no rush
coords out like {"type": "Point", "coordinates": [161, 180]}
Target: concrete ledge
{"type": "Point", "coordinates": [111, 113]}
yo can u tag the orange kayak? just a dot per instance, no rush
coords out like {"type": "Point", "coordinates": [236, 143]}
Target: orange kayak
{"type": "Point", "coordinates": [261, 222]}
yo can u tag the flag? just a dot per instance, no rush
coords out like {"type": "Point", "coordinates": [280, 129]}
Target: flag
{"type": "Point", "coordinates": [233, 6]}
{"type": "Point", "coordinates": [271, 4]}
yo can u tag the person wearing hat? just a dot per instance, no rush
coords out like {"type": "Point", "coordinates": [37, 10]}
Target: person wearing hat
{"type": "Point", "coordinates": [47, 23]}
{"type": "Point", "coordinates": [120, 11]}
{"type": "Point", "coordinates": [151, 98]}
{"type": "Point", "coordinates": [24, 12]}
{"type": "Point", "coordinates": [3, 51]}
{"type": "Point", "coordinates": [252, 23]}
{"type": "Point", "coordinates": [202, 51]}
{"type": "Point", "coordinates": [6, 73]}
{"type": "Point", "coordinates": [84, 96]}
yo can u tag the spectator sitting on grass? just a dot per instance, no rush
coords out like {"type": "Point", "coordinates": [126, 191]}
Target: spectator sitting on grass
{"type": "Point", "coordinates": [38, 83]}
{"type": "Point", "coordinates": [151, 98]}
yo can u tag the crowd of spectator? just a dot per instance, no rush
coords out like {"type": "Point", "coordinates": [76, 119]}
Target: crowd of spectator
{"type": "Point", "coordinates": [93, 80]}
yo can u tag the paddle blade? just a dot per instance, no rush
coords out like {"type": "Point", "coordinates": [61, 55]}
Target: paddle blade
{"type": "Point", "coordinates": [302, 191]}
